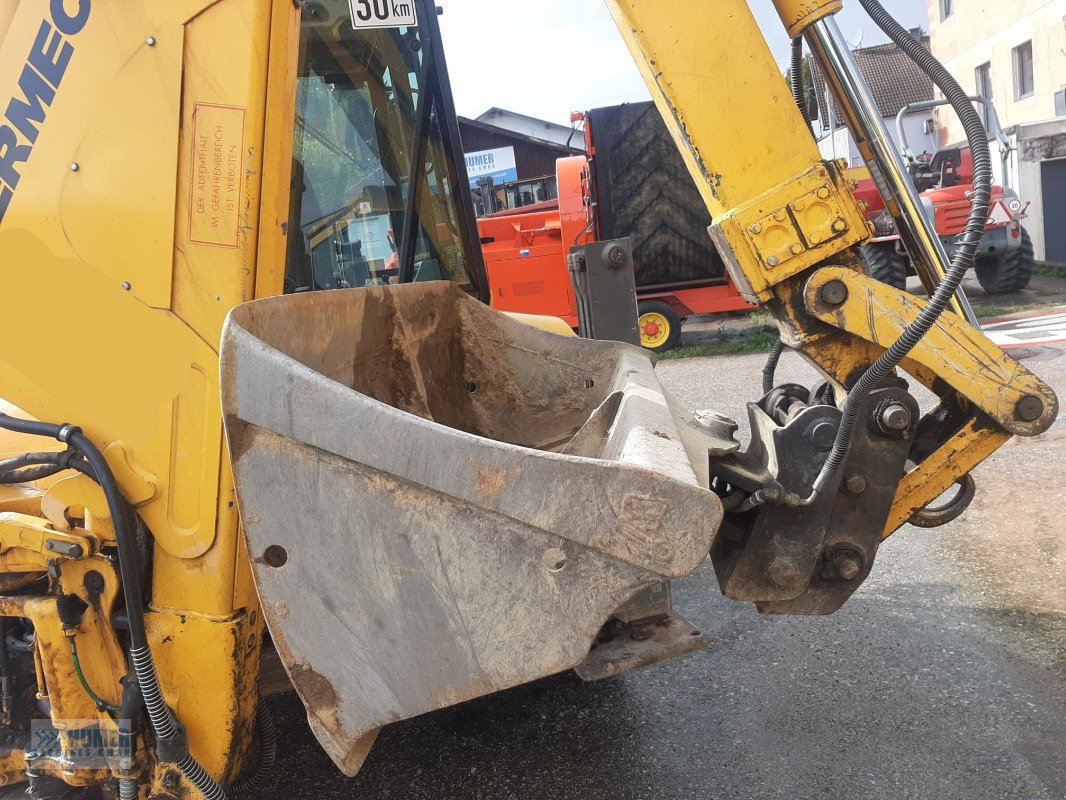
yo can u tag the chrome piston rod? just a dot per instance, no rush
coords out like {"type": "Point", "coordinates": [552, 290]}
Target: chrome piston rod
{"type": "Point", "coordinates": [863, 118]}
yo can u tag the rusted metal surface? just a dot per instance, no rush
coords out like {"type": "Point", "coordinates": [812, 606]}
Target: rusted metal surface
{"type": "Point", "coordinates": [441, 502]}
{"type": "Point", "coordinates": [623, 647]}
{"type": "Point", "coordinates": [810, 560]}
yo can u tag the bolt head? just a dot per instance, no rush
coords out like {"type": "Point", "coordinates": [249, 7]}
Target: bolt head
{"type": "Point", "coordinates": [74, 166]}
{"type": "Point", "coordinates": [615, 256]}
{"type": "Point", "coordinates": [1030, 408]}
{"type": "Point", "coordinates": [848, 566]}
{"type": "Point", "coordinates": [756, 228]}
{"type": "Point", "coordinates": [857, 484]}
{"type": "Point", "coordinates": [796, 249]}
{"type": "Point", "coordinates": [773, 261]}
{"type": "Point", "coordinates": [824, 193]}
{"type": "Point", "coordinates": [896, 418]}
{"type": "Point", "coordinates": [840, 226]}
{"type": "Point", "coordinates": [150, 41]}
{"type": "Point", "coordinates": [783, 572]}
{"type": "Point", "coordinates": [834, 293]}
{"type": "Point", "coordinates": [822, 435]}
{"type": "Point", "coordinates": [127, 285]}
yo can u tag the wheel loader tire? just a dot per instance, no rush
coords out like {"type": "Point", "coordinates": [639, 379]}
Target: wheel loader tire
{"type": "Point", "coordinates": [660, 327]}
{"type": "Point", "coordinates": [884, 264]}
{"type": "Point", "coordinates": [1011, 273]}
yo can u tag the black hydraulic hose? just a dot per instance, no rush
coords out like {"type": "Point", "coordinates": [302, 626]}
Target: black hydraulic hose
{"type": "Point", "coordinates": [770, 370]}
{"type": "Point", "coordinates": [30, 474]}
{"type": "Point", "coordinates": [163, 722]}
{"type": "Point", "coordinates": [968, 241]}
{"type": "Point", "coordinates": [37, 466]}
{"type": "Point", "coordinates": [795, 74]}
{"type": "Point", "coordinates": [266, 757]}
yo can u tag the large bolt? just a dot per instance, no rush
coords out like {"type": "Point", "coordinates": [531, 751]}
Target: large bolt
{"type": "Point", "coordinates": [848, 565]}
{"type": "Point", "coordinates": [615, 256]}
{"type": "Point", "coordinates": [857, 484]}
{"type": "Point", "coordinates": [834, 293]}
{"type": "Point", "coordinates": [822, 435]}
{"type": "Point", "coordinates": [783, 572]}
{"type": "Point", "coordinates": [896, 418]}
{"type": "Point", "coordinates": [1030, 408]}
{"type": "Point", "coordinates": [773, 261]}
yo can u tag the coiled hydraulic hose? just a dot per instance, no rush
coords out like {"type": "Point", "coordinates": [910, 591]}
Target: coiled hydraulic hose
{"type": "Point", "coordinates": [91, 462]}
{"type": "Point", "coordinates": [267, 756]}
{"type": "Point", "coordinates": [770, 370]}
{"type": "Point", "coordinates": [968, 242]}
{"type": "Point", "coordinates": [795, 74]}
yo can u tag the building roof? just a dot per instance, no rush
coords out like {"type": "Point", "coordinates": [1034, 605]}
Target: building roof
{"type": "Point", "coordinates": [529, 126]}
{"type": "Point", "coordinates": [893, 78]}
{"type": "Point", "coordinates": [576, 146]}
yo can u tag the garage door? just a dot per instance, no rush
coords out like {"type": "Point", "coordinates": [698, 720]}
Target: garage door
{"type": "Point", "coordinates": [1053, 177]}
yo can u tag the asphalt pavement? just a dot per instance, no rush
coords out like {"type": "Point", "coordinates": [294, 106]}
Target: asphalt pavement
{"type": "Point", "coordinates": [944, 678]}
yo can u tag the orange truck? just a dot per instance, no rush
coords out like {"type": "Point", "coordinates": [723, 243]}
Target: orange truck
{"type": "Point", "coordinates": [633, 184]}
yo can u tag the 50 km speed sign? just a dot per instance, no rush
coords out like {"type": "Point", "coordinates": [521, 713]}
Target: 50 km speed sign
{"type": "Point", "coordinates": [383, 13]}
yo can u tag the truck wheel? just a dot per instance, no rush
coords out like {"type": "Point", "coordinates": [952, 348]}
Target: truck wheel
{"type": "Point", "coordinates": [660, 327]}
{"type": "Point", "coordinates": [1012, 272]}
{"type": "Point", "coordinates": [884, 264]}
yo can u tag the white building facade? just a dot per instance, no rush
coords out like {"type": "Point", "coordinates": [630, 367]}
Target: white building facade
{"type": "Point", "coordinates": [1015, 54]}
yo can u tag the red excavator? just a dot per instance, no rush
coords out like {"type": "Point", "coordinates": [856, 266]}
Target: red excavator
{"type": "Point", "coordinates": [945, 180]}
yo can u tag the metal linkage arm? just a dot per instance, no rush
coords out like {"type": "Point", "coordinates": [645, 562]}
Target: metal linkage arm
{"type": "Point", "coordinates": [788, 225]}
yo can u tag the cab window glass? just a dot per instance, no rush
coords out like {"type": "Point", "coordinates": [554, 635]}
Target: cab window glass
{"type": "Point", "coordinates": [358, 110]}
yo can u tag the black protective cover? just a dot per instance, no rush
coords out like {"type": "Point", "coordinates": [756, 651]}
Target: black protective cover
{"type": "Point", "coordinates": [645, 192]}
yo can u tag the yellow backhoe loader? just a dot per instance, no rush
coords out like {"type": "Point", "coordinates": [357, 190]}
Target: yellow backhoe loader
{"type": "Point", "coordinates": [262, 416]}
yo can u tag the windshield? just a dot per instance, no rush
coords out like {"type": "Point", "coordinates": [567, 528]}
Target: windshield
{"type": "Point", "coordinates": [366, 210]}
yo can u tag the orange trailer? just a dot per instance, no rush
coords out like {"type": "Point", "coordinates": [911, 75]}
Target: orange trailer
{"type": "Point", "coordinates": [526, 249]}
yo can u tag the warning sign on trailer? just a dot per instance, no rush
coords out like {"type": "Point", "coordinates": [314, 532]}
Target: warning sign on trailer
{"type": "Point", "coordinates": [383, 13]}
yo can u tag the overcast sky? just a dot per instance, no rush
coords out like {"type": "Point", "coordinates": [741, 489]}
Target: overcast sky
{"type": "Point", "coordinates": [546, 58]}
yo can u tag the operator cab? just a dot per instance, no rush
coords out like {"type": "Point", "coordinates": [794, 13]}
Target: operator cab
{"type": "Point", "coordinates": [377, 197]}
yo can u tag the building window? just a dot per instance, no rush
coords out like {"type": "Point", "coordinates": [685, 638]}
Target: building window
{"type": "Point", "coordinates": [1060, 103]}
{"type": "Point", "coordinates": [1023, 71]}
{"type": "Point", "coordinates": [947, 7]}
{"type": "Point", "coordinates": [983, 79]}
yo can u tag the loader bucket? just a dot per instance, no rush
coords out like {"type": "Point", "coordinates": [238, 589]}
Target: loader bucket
{"type": "Point", "coordinates": [441, 502]}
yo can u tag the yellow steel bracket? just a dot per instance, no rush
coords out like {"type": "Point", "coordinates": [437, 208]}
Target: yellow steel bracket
{"type": "Point", "coordinates": [789, 229]}
{"type": "Point", "coordinates": [1012, 399]}
{"type": "Point", "coordinates": [1018, 401]}
{"type": "Point", "coordinates": [28, 543]}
